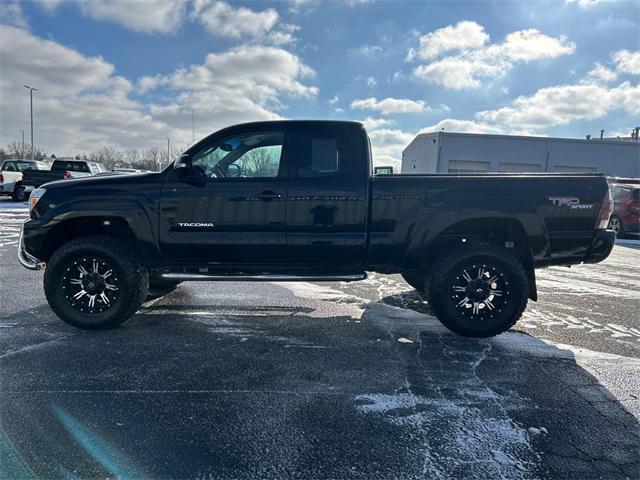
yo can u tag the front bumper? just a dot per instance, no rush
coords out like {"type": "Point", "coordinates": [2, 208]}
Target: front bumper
{"type": "Point", "coordinates": [25, 258]}
{"type": "Point", "coordinates": [601, 246]}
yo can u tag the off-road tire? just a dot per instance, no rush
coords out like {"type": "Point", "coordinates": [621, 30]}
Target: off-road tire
{"type": "Point", "coordinates": [132, 281]}
{"type": "Point", "coordinates": [445, 276]}
{"type": "Point", "coordinates": [416, 280]}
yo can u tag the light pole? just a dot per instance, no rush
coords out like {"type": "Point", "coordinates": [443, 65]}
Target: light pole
{"type": "Point", "coordinates": [22, 149]}
{"type": "Point", "coordinates": [31, 89]}
{"type": "Point", "coordinates": [168, 151]}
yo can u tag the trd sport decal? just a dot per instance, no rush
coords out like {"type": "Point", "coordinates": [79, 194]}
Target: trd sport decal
{"type": "Point", "coordinates": [571, 202]}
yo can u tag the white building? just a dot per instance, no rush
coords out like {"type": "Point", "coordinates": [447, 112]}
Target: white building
{"type": "Point", "coordinates": [445, 152]}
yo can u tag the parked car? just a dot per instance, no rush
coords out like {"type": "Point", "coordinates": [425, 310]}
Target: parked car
{"type": "Point", "coordinates": [11, 177]}
{"type": "Point", "coordinates": [625, 220]}
{"type": "Point", "coordinates": [63, 170]}
{"type": "Point", "coordinates": [296, 201]}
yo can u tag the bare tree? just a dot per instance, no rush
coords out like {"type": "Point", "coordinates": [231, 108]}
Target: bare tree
{"type": "Point", "coordinates": [131, 157]}
{"type": "Point", "coordinates": [108, 155]}
{"type": "Point", "coordinates": [16, 149]}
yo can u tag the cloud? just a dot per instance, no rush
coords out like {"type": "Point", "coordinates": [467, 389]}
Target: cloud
{"type": "Point", "coordinates": [306, 6]}
{"type": "Point", "coordinates": [221, 19]}
{"type": "Point", "coordinates": [369, 51]}
{"type": "Point", "coordinates": [259, 72]}
{"type": "Point", "coordinates": [591, 3]}
{"type": "Point", "coordinates": [149, 16]}
{"type": "Point", "coordinates": [459, 56]}
{"type": "Point", "coordinates": [600, 74]}
{"type": "Point", "coordinates": [463, 126]}
{"type": "Point", "coordinates": [627, 62]}
{"type": "Point", "coordinates": [461, 36]}
{"type": "Point", "coordinates": [371, 82]}
{"type": "Point", "coordinates": [11, 14]}
{"type": "Point", "coordinates": [83, 105]}
{"type": "Point", "coordinates": [387, 146]}
{"type": "Point", "coordinates": [375, 123]}
{"type": "Point", "coordinates": [564, 104]}
{"type": "Point", "coordinates": [390, 105]}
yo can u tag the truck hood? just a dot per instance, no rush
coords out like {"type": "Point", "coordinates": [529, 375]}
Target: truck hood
{"type": "Point", "coordinates": [115, 180]}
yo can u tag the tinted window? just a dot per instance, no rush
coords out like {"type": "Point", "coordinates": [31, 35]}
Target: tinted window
{"type": "Point", "coordinates": [70, 166]}
{"type": "Point", "coordinates": [18, 166]}
{"type": "Point", "coordinates": [249, 155]}
{"type": "Point", "coordinates": [636, 195]}
{"type": "Point", "coordinates": [321, 154]}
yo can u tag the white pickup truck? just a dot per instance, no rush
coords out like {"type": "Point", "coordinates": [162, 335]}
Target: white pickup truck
{"type": "Point", "coordinates": [11, 177]}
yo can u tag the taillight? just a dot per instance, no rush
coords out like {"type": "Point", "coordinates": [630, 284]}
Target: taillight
{"type": "Point", "coordinates": [605, 211]}
{"type": "Point", "coordinates": [66, 175]}
{"type": "Point", "coordinates": [1, 178]}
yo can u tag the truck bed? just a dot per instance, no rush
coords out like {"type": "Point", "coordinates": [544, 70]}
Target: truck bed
{"type": "Point", "coordinates": [557, 213]}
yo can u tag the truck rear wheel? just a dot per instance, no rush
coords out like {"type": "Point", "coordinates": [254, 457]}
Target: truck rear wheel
{"type": "Point", "coordinates": [19, 194]}
{"type": "Point", "coordinates": [415, 280]}
{"type": "Point", "coordinates": [478, 291]}
{"type": "Point", "coordinates": [95, 282]}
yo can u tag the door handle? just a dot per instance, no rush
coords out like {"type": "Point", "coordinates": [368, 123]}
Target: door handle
{"type": "Point", "coordinates": [268, 195]}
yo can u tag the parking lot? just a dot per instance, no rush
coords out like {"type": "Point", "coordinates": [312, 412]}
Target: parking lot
{"type": "Point", "coordinates": [327, 380]}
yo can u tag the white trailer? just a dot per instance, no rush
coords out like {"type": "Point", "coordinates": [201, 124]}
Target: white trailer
{"type": "Point", "coordinates": [446, 152]}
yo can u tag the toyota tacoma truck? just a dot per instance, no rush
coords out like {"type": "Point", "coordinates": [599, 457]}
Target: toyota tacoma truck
{"type": "Point", "coordinates": [296, 201]}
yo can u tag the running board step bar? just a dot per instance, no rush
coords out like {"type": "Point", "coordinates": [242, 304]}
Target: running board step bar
{"type": "Point", "coordinates": [266, 277]}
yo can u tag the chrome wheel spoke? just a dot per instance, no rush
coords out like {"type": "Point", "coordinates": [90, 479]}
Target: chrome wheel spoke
{"type": "Point", "coordinates": [92, 301]}
{"type": "Point", "coordinates": [463, 301]}
{"type": "Point", "coordinates": [457, 288]}
{"type": "Point", "coordinates": [76, 281]}
{"type": "Point", "coordinates": [80, 294]}
{"type": "Point", "coordinates": [109, 286]}
{"type": "Point", "coordinates": [466, 276]}
{"type": "Point", "coordinates": [104, 298]}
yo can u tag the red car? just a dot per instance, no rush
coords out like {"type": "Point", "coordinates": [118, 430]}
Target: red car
{"type": "Point", "coordinates": [625, 219]}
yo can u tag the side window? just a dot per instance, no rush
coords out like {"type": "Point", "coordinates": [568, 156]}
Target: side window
{"type": "Point", "coordinates": [322, 154]}
{"type": "Point", "coordinates": [9, 167]}
{"type": "Point", "coordinates": [248, 155]}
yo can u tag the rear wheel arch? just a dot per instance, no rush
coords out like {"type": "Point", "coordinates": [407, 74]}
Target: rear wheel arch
{"type": "Point", "coordinates": [507, 233]}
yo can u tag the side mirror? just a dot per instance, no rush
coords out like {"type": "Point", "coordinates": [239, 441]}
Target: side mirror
{"type": "Point", "coordinates": [183, 162]}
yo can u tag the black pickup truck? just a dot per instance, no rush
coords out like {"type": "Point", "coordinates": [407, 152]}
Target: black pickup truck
{"type": "Point", "coordinates": [63, 169]}
{"type": "Point", "coordinates": [295, 200]}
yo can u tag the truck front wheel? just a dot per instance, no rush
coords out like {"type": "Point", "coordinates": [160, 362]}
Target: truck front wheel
{"type": "Point", "coordinates": [478, 291]}
{"type": "Point", "coordinates": [95, 282]}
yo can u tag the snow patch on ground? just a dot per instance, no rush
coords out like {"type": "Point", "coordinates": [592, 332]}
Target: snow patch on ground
{"type": "Point", "coordinates": [473, 441]}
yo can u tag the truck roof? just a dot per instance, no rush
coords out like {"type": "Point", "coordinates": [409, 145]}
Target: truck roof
{"type": "Point", "coordinates": [284, 124]}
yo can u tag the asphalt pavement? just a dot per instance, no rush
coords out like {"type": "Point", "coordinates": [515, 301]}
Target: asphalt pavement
{"type": "Point", "coordinates": [299, 380]}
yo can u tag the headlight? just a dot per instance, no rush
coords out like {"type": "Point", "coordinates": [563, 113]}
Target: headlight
{"type": "Point", "coordinates": [35, 196]}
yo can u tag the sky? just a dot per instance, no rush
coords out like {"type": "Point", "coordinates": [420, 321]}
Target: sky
{"type": "Point", "coordinates": [130, 74]}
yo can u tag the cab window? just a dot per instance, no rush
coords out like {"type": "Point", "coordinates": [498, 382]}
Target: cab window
{"type": "Point", "coordinates": [247, 155]}
{"type": "Point", "coordinates": [321, 153]}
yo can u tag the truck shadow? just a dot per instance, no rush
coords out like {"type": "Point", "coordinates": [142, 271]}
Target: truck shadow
{"type": "Point", "coordinates": [226, 391]}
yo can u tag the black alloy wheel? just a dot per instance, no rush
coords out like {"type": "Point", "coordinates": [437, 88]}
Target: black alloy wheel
{"type": "Point", "coordinates": [478, 291]}
{"type": "Point", "coordinates": [95, 282]}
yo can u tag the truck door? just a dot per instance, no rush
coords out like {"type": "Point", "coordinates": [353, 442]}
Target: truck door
{"type": "Point", "coordinates": [328, 198]}
{"type": "Point", "coordinates": [229, 206]}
